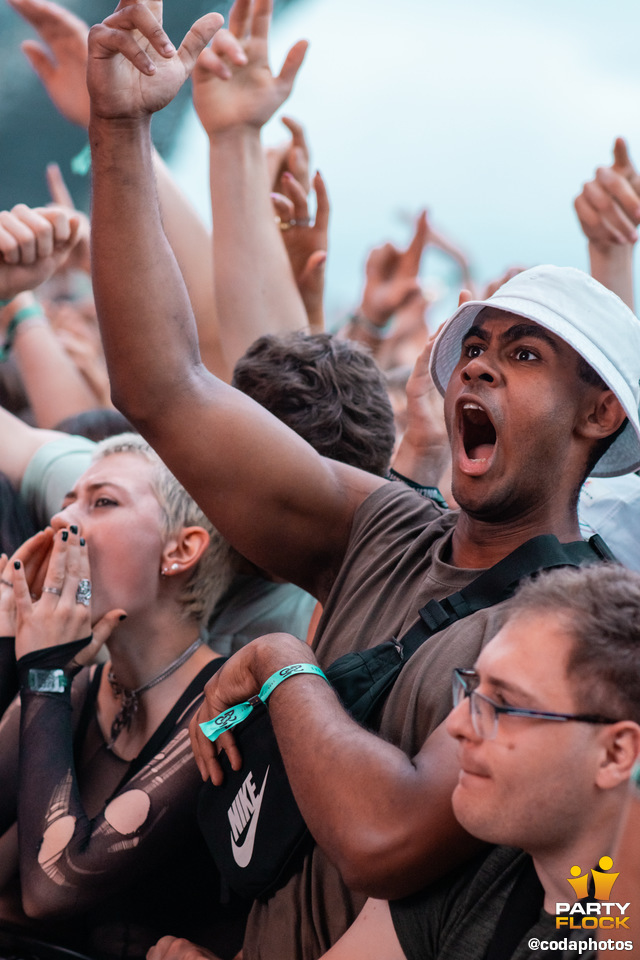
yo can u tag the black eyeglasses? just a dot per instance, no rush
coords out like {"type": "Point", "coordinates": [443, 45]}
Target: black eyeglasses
{"type": "Point", "coordinates": [485, 713]}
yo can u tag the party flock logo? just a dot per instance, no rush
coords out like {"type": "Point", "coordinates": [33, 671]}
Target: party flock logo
{"type": "Point", "coordinates": [593, 908]}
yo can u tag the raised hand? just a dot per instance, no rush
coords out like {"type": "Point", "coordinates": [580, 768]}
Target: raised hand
{"type": "Point", "coordinates": [424, 451]}
{"type": "Point", "coordinates": [392, 276]}
{"type": "Point", "coordinates": [609, 205]}
{"type": "Point", "coordinates": [233, 84]}
{"type": "Point", "coordinates": [34, 244]}
{"type": "Point", "coordinates": [133, 68]}
{"type": "Point", "coordinates": [292, 155]}
{"type": "Point", "coordinates": [306, 242]}
{"type": "Point", "coordinates": [60, 59]}
{"type": "Point", "coordinates": [80, 257]}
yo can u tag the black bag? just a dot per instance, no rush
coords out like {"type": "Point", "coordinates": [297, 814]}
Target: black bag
{"type": "Point", "coordinates": [252, 824]}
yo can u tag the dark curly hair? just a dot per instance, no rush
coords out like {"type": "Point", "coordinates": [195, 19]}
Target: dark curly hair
{"type": "Point", "coordinates": [329, 391]}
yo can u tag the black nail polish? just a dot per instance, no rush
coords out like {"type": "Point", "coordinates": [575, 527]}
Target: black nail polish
{"type": "Point", "coordinates": [16, 564]}
{"type": "Point", "coordinates": [82, 541]}
{"type": "Point", "coordinates": [73, 528]}
{"type": "Point", "coordinates": [65, 535]}
{"type": "Point", "coordinates": [122, 616]}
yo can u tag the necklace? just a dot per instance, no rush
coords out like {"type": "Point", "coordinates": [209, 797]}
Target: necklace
{"type": "Point", "coordinates": [129, 698]}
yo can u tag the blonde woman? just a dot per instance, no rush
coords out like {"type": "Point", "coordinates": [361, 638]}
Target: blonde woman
{"type": "Point", "coordinates": [95, 761]}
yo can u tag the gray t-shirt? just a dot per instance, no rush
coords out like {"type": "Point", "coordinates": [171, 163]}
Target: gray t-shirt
{"type": "Point", "coordinates": [455, 918]}
{"type": "Point", "coordinates": [51, 474]}
{"type": "Point", "coordinates": [397, 559]}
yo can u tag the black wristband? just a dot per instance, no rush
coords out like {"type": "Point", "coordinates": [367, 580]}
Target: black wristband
{"type": "Point", "coordinates": [431, 493]}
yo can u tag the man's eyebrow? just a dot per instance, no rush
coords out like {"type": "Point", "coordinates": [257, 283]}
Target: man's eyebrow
{"type": "Point", "coordinates": [530, 330]}
{"type": "Point", "coordinates": [511, 688]}
{"type": "Point", "coordinates": [476, 331]}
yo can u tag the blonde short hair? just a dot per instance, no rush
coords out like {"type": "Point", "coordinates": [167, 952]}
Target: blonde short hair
{"type": "Point", "coordinates": [218, 564]}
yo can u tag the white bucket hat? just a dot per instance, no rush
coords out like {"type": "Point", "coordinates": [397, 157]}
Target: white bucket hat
{"type": "Point", "coordinates": [587, 316]}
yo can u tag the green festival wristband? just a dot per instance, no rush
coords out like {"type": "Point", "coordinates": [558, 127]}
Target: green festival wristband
{"type": "Point", "coordinates": [234, 715]}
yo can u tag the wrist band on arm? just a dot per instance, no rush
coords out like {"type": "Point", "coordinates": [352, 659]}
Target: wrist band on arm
{"type": "Point", "coordinates": [81, 163]}
{"type": "Point", "coordinates": [375, 331]}
{"type": "Point", "coordinates": [47, 681]}
{"type": "Point", "coordinates": [32, 312]}
{"type": "Point", "coordinates": [234, 715]}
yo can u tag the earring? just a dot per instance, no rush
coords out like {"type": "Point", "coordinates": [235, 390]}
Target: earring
{"type": "Point", "coordinates": [165, 570]}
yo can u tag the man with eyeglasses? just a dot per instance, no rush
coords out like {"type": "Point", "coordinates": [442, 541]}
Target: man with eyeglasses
{"type": "Point", "coordinates": [548, 729]}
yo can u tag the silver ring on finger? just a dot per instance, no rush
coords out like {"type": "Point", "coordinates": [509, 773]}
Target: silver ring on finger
{"type": "Point", "coordinates": [83, 593]}
{"type": "Point", "coordinates": [55, 590]}
{"type": "Point", "coordinates": [287, 224]}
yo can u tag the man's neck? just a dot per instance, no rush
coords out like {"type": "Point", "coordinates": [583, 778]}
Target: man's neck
{"type": "Point", "coordinates": [477, 544]}
{"type": "Point", "coordinates": [553, 867]}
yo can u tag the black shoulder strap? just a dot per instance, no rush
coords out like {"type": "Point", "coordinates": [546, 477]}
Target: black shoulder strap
{"type": "Point", "coordinates": [500, 581]}
{"type": "Point", "coordinates": [520, 913]}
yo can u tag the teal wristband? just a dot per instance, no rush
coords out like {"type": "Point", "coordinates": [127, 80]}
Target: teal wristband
{"type": "Point", "coordinates": [27, 313]}
{"type": "Point", "coordinates": [81, 163]}
{"type": "Point", "coordinates": [235, 715]}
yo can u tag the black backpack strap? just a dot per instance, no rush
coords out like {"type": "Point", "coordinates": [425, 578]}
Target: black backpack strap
{"type": "Point", "coordinates": [500, 581]}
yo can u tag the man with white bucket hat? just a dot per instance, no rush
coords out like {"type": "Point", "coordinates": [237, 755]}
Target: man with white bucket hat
{"type": "Point", "coordinates": [526, 421]}
{"type": "Point", "coordinates": [587, 317]}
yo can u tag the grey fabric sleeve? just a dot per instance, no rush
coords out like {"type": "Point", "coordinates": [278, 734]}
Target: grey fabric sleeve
{"type": "Point", "coordinates": [51, 473]}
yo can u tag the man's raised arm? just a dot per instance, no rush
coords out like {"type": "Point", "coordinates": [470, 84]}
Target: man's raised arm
{"type": "Point", "coordinates": [269, 493]}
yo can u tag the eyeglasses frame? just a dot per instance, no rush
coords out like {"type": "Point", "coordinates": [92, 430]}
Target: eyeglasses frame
{"type": "Point", "coordinates": [460, 682]}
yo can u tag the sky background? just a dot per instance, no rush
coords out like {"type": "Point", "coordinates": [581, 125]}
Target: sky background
{"type": "Point", "coordinates": [491, 115]}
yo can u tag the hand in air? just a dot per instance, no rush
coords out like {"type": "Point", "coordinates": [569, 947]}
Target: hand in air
{"type": "Point", "coordinates": [60, 56]}
{"type": "Point", "coordinates": [233, 84]}
{"type": "Point", "coordinates": [392, 276]}
{"type": "Point", "coordinates": [608, 207]}
{"type": "Point", "coordinates": [305, 240]}
{"type": "Point", "coordinates": [133, 68]}
{"type": "Point", "coordinates": [34, 244]}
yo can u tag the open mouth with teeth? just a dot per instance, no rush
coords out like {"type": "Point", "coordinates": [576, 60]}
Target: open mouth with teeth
{"type": "Point", "coordinates": [478, 435]}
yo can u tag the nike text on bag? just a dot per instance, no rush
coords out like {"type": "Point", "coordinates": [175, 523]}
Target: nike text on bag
{"type": "Point", "coordinates": [252, 824]}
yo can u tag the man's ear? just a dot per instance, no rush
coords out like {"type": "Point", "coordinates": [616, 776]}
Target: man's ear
{"type": "Point", "coordinates": [620, 750]}
{"type": "Point", "coordinates": [182, 551]}
{"type": "Point", "coordinates": [602, 416]}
